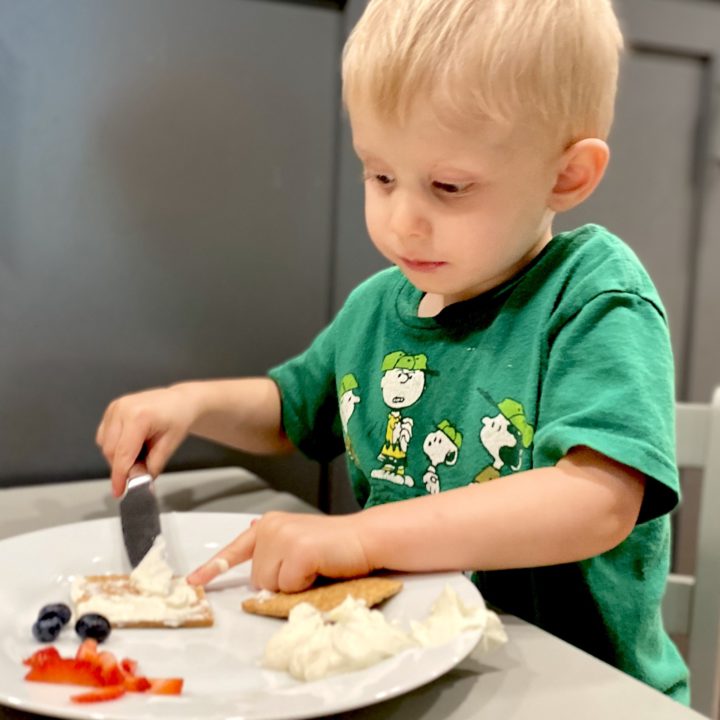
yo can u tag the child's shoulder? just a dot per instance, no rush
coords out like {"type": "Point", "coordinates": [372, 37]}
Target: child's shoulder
{"type": "Point", "coordinates": [595, 260]}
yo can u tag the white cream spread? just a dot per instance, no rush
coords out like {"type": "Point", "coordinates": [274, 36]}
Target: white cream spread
{"type": "Point", "coordinates": [153, 575]}
{"type": "Point", "coordinates": [313, 645]}
{"type": "Point", "coordinates": [448, 617]}
{"type": "Point", "coordinates": [151, 595]}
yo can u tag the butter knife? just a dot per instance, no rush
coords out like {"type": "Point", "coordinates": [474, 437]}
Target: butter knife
{"type": "Point", "coordinates": [139, 513]}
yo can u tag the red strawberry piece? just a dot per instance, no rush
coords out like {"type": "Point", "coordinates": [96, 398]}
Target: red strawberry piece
{"type": "Point", "coordinates": [87, 650]}
{"type": "Point", "coordinates": [43, 656]}
{"type": "Point", "coordinates": [128, 666]}
{"type": "Point", "coordinates": [109, 692]}
{"type": "Point", "coordinates": [66, 671]}
{"type": "Point", "coordinates": [131, 681]}
{"type": "Point", "coordinates": [109, 669]}
{"type": "Point", "coordinates": [136, 683]}
{"type": "Point", "coordinates": [166, 686]}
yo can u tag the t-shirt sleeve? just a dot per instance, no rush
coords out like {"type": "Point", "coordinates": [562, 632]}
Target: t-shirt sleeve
{"type": "Point", "coordinates": [308, 394]}
{"type": "Point", "coordinates": [610, 386]}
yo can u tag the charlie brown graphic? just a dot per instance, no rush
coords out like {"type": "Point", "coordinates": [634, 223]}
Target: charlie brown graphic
{"type": "Point", "coordinates": [402, 385]}
{"type": "Point", "coordinates": [442, 448]}
{"type": "Point", "coordinates": [347, 402]}
{"type": "Point", "coordinates": [505, 436]}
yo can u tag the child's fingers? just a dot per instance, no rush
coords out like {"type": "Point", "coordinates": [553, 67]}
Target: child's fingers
{"type": "Point", "coordinates": [238, 551]}
{"type": "Point", "coordinates": [129, 445]}
{"type": "Point", "coordinates": [107, 435]}
{"type": "Point", "coordinates": [160, 451]}
{"type": "Point", "coordinates": [293, 577]}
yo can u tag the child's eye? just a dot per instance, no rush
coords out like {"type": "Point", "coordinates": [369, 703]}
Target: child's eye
{"type": "Point", "coordinates": [381, 179]}
{"type": "Point", "coordinates": [452, 188]}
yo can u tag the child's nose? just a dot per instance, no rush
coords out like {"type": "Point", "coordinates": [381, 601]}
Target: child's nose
{"type": "Point", "coordinates": [408, 219]}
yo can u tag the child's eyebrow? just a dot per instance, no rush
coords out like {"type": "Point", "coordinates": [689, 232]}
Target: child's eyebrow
{"type": "Point", "coordinates": [454, 171]}
{"type": "Point", "coordinates": [365, 154]}
{"type": "Point", "coordinates": [447, 168]}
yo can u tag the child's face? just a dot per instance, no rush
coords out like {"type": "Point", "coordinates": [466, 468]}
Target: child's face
{"type": "Point", "coordinates": [458, 211]}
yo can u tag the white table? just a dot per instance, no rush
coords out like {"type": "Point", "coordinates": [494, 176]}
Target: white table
{"type": "Point", "coordinates": [534, 677]}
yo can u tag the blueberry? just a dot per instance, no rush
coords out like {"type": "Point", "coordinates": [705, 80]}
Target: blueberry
{"type": "Point", "coordinates": [47, 629]}
{"type": "Point", "coordinates": [58, 610]}
{"type": "Point", "coordinates": [93, 625]}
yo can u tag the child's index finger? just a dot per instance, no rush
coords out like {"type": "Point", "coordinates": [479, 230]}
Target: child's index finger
{"type": "Point", "coordinates": [238, 551]}
{"type": "Point", "coordinates": [118, 480]}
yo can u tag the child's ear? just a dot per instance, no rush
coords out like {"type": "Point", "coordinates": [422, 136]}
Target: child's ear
{"type": "Point", "coordinates": [580, 170]}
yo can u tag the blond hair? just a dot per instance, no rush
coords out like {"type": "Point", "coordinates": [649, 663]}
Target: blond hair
{"type": "Point", "coordinates": [548, 61]}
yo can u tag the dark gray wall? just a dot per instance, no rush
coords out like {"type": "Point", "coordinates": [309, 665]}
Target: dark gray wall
{"type": "Point", "coordinates": [166, 207]}
{"type": "Point", "coordinates": [179, 198]}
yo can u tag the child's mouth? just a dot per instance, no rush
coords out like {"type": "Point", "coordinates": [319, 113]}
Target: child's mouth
{"type": "Point", "coordinates": [422, 265]}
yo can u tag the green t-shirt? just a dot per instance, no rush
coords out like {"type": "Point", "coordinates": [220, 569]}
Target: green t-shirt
{"type": "Point", "coordinates": [574, 350]}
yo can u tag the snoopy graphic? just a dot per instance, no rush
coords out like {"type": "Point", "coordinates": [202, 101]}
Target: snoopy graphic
{"type": "Point", "coordinates": [505, 436]}
{"type": "Point", "coordinates": [347, 402]}
{"type": "Point", "coordinates": [442, 448]}
{"type": "Point", "coordinates": [402, 385]}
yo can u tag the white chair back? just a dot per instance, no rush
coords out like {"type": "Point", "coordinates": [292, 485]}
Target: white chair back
{"type": "Point", "coordinates": [692, 603]}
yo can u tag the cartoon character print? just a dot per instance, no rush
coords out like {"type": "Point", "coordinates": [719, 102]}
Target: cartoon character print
{"type": "Point", "coordinates": [347, 402]}
{"type": "Point", "coordinates": [505, 436]}
{"type": "Point", "coordinates": [402, 385]}
{"type": "Point", "coordinates": [442, 448]}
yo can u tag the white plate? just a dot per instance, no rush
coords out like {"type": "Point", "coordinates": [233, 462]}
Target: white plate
{"type": "Point", "coordinates": [220, 665]}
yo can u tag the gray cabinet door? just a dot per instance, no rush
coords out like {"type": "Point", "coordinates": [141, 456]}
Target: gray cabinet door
{"type": "Point", "coordinates": [661, 193]}
{"type": "Point", "coordinates": [166, 193]}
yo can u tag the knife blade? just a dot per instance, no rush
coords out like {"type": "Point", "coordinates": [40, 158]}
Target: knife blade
{"type": "Point", "coordinates": [139, 514]}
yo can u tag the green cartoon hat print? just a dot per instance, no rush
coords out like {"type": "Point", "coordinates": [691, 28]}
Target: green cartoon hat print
{"type": "Point", "coordinates": [451, 432]}
{"type": "Point", "coordinates": [403, 361]}
{"type": "Point", "coordinates": [515, 413]}
{"type": "Point", "coordinates": [348, 382]}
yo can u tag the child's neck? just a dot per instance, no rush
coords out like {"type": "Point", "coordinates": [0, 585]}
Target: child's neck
{"type": "Point", "coordinates": [430, 305]}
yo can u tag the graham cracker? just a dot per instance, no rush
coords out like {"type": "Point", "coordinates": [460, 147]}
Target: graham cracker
{"type": "Point", "coordinates": [373, 590]}
{"type": "Point", "coordinates": [116, 587]}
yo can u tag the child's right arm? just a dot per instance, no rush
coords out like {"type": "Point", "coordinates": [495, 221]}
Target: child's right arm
{"type": "Point", "coordinates": [243, 413]}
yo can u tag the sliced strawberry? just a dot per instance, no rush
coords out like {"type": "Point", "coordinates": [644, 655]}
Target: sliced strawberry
{"type": "Point", "coordinates": [166, 686]}
{"type": "Point", "coordinates": [87, 650]}
{"type": "Point", "coordinates": [128, 666]}
{"type": "Point", "coordinates": [131, 681]}
{"type": "Point", "coordinates": [42, 657]}
{"type": "Point", "coordinates": [66, 671]}
{"type": "Point", "coordinates": [100, 670]}
{"type": "Point", "coordinates": [109, 692]}
{"type": "Point", "coordinates": [136, 683]}
{"type": "Point", "coordinates": [109, 669]}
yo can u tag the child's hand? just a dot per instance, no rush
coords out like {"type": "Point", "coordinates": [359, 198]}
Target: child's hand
{"type": "Point", "coordinates": [160, 418]}
{"type": "Point", "coordinates": [288, 551]}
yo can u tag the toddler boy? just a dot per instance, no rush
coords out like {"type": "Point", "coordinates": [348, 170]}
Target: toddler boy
{"type": "Point", "coordinates": [507, 393]}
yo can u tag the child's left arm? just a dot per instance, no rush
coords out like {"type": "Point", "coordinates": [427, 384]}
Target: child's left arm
{"type": "Point", "coordinates": [584, 506]}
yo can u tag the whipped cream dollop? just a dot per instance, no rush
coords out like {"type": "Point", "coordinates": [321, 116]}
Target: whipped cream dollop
{"type": "Point", "coordinates": [313, 645]}
{"type": "Point", "coordinates": [153, 575]}
{"type": "Point", "coordinates": [153, 578]}
{"type": "Point", "coordinates": [151, 594]}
